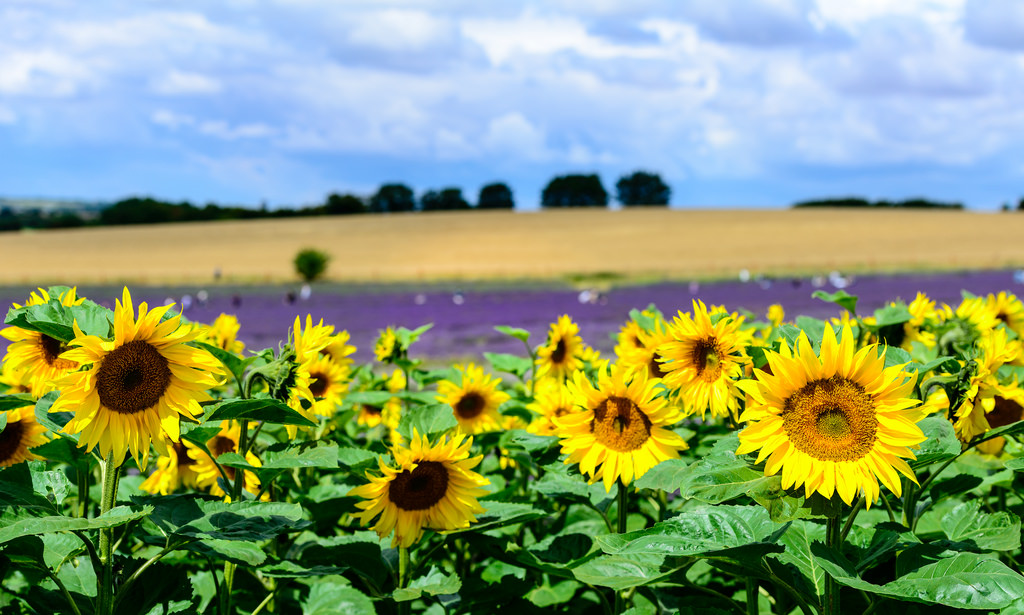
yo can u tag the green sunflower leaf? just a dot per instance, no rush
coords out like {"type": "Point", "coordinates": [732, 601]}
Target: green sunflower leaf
{"type": "Point", "coordinates": [1017, 465]}
{"type": "Point", "coordinates": [434, 583]}
{"type": "Point", "coordinates": [56, 320]}
{"type": "Point", "coordinates": [370, 398]}
{"type": "Point", "coordinates": [798, 540]}
{"type": "Point", "coordinates": [509, 363]}
{"type": "Point", "coordinates": [13, 402]}
{"type": "Point", "coordinates": [500, 514]}
{"type": "Point", "coordinates": [330, 597]}
{"type": "Point", "coordinates": [197, 517]}
{"type": "Point", "coordinates": [941, 444]}
{"type": "Point", "coordinates": [841, 298]}
{"type": "Point", "coordinates": [892, 315]}
{"type": "Point", "coordinates": [520, 334]}
{"type": "Point", "coordinates": [622, 571]}
{"type": "Point", "coordinates": [967, 523]}
{"type": "Point", "coordinates": [964, 581]}
{"type": "Point", "coordinates": [15, 523]}
{"type": "Point", "coordinates": [258, 409]}
{"type": "Point", "coordinates": [235, 364]}
{"type": "Point", "coordinates": [430, 421]}
{"type": "Point", "coordinates": [721, 530]}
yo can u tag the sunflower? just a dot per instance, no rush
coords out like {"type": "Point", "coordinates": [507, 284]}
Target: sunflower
{"type": "Point", "coordinates": [21, 434]}
{"type": "Point", "coordinates": [307, 343]}
{"type": "Point", "coordinates": [223, 333]}
{"type": "Point", "coordinates": [621, 430]}
{"type": "Point", "coordinates": [206, 472]}
{"type": "Point", "coordinates": [776, 314]}
{"type": "Point", "coordinates": [560, 356]}
{"type": "Point", "coordinates": [552, 400]}
{"type": "Point", "coordinates": [14, 381]}
{"type": "Point", "coordinates": [971, 416]}
{"type": "Point", "coordinates": [38, 354]}
{"type": "Point", "coordinates": [1009, 310]}
{"type": "Point", "coordinates": [705, 360]}
{"type": "Point", "coordinates": [431, 486]}
{"type": "Point", "coordinates": [645, 356]}
{"type": "Point", "coordinates": [328, 383]}
{"type": "Point", "coordinates": [834, 423]}
{"type": "Point", "coordinates": [339, 349]}
{"type": "Point", "coordinates": [628, 338]}
{"type": "Point", "coordinates": [475, 401]}
{"type": "Point", "coordinates": [172, 471]}
{"type": "Point", "coordinates": [136, 386]}
{"type": "Point", "coordinates": [386, 349]}
{"type": "Point", "coordinates": [1005, 412]}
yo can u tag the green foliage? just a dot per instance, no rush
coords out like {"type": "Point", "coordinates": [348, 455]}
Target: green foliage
{"type": "Point", "coordinates": [642, 188]}
{"type": "Point", "coordinates": [495, 196]}
{"type": "Point", "coordinates": [391, 198]}
{"type": "Point", "coordinates": [855, 202]}
{"type": "Point", "coordinates": [574, 191]}
{"type": "Point", "coordinates": [310, 263]}
{"type": "Point", "coordinates": [447, 199]}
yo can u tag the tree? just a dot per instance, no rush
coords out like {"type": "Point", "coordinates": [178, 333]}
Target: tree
{"type": "Point", "coordinates": [392, 197]}
{"type": "Point", "coordinates": [344, 204]}
{"type": "Point", "coordinates": [446, 199]}
{"type": "Point", "coordinates": [310, 264]}
{"type": "Point", "coordinates": [574, 191]}
{"type": "Point", "coordinates": [495, 196]}
{"type": "Point", "coordinates": [642, 188]}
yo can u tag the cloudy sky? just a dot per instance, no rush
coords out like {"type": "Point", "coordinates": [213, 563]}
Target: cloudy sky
{"type": "Point", "coordinates": [755, 103]}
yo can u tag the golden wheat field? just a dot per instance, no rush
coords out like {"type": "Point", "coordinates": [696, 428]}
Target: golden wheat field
{"type": "Point", "coordinates": [636, 244]}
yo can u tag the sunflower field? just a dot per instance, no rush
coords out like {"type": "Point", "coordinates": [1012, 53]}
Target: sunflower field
{"type": "Point", "coordinates": [718, 462]}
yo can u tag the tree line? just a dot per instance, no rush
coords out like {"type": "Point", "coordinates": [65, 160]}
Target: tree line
{"type": "Point", "coordinates": [859, 202]}
{"type": "Point", "coordinates": [574, 190]}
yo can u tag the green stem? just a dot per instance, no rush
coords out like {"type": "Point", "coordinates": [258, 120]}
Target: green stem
{"type": "Point", "coordinates": [105, 591]}
{"type": "Point", "coordinates": [752, 608]}
{"type": "Point", "coordinates": [623, 512]}
{"type": "Point", "coordinates": [833, 539]}
{"type": "Point", "coordinates": [123, 590]}
{"type": "Point", "coordinates": [857, 505]}
{"type": "Point", "coordinates": [403, 577]}
{"type": "Point", "coordinates": [83, 491]}
{"type": "Point", "coordinates": [63, 590]}
{"type": "Point", "coordinates": [225, 588]}
{"type": "Point", "coordinates": [888, 508]}
{"type": "Point", "coordinates": [266, 601]}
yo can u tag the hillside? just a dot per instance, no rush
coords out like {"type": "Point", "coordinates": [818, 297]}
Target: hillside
{"type": "Point", "coordinates": [634, 244]}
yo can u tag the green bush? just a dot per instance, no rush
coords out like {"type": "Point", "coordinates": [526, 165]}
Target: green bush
{"type": "Point", "coordinates": [310, 264]}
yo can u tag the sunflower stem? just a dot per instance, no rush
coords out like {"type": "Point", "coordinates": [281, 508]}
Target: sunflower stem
{"type": "Point", "coordinates": [752, 608]}
{"type": "Point", "coordinates": [857, 505]}
{"type": "Point", "coordinates": [833, 539]}
{"type": "Point", "coordinates": [105, 591]}
{"type": "Point", "coordinates": [225, 594]}
{"type": "Point", "coordinates": [403, 576]}
{"type": "Point", "coordinates": [623, 512]}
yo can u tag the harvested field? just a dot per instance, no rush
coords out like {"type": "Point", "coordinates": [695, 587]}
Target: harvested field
{"type": "Point", "coordinates": [636, 245]}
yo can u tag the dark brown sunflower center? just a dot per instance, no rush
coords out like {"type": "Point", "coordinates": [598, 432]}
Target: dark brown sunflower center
{"type": "Point", "coordinates": [654, 368]}
{"type": "Point", "coordinates": [132, 378]}
{"type": "Point", "coordinates": [220, 445]}
{"type": "Point", "coordinates": [1005, 413]}
{"type": "Point", "coordinates": [831, 420]}
{"type": "Point", "coordinates": [181, 452]}
{"type": "Point", "coordinates": [620, 425]}
{"type": "Point", "coordinates": [51, 349]}
{"type": "Point", "coordinates": [318, 386]}
{"type": "Point", "coordinates": [637, 342]}
{"type": "Point", "coordinates": [470, 405]}
{"type": "Point", "coordinates": [10, 440]}
{"type": "Point", "coordinates": [707, 359]}
{"type": "Point", "coordinates": [558, 354]}
{"type": "Point", "coordinates": [421, 488]}
{"type": "Point", "coordinates": [374, 410]}
{"type": "Point", "coordinates": [561, 411]}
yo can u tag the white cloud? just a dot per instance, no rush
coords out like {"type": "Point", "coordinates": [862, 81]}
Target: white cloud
{"type": "Point", "coordinates": [7, 116]}
{"type": "Point", "coordinates": [513, 134]}
{"type": "Point", "coordinates": [223, 130]}
{"type": "Point", "coordinates": [178, 82]}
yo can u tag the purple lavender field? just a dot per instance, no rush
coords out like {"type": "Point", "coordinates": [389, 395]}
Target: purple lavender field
{"type": "Point", "coordinates": [464, 317]}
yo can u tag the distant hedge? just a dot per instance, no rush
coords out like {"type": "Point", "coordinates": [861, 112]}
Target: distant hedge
{"type": "Point", "coordinates": [859, 202]}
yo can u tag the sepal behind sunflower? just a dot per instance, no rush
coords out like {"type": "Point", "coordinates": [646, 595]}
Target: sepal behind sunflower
{"type": "Point", "coordinates": [279, 373]}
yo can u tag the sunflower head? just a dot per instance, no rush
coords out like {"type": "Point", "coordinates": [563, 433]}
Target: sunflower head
{"type": "Point", "coordinates": [386, 349]}
{"type": "Point", "coordinates": [429, 486]}
{"type": "Point", "coordinates": [474, 400]}
{"type": "Point", "coordinates": [134, 388]}
{"type": "Point", "coordinates": [620, 430]}
{"type": "Point", "coordinates": [21, 434]}
{"type": "Point", "coordinates": [562, 354]}
{"type": "Point", "coordinates": [835, 423]}
{"type": "Point", "coordinates": [704, 360]}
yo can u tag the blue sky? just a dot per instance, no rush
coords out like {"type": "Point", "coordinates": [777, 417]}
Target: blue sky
{"type": "Point", "coordinates": [752, 103]}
